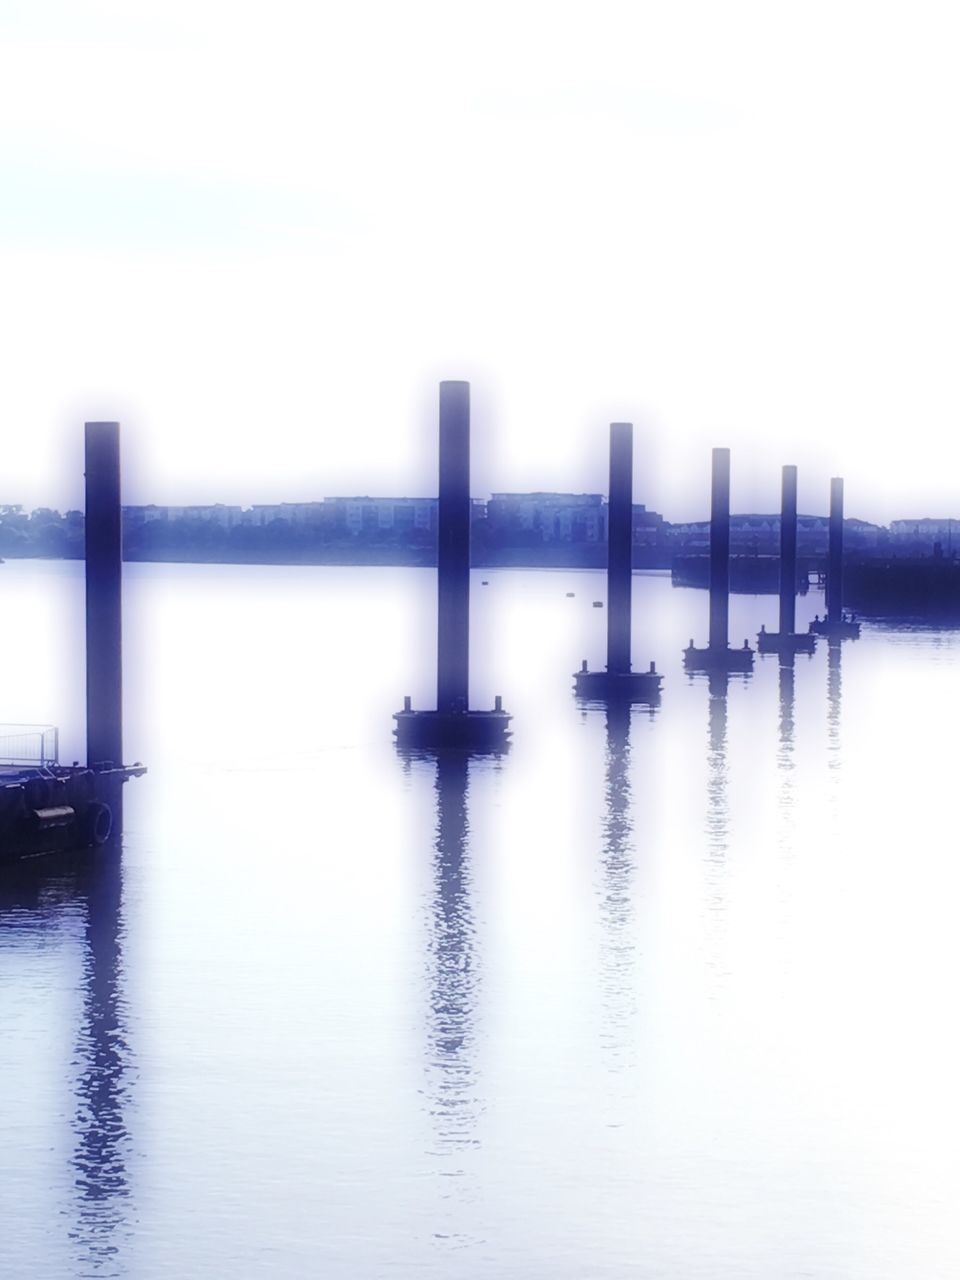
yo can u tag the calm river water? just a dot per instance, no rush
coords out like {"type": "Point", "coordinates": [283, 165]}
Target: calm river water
{"type": "Point", "coordinates": [668, 996]}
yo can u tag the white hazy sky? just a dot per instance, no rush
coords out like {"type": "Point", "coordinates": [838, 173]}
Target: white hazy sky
{"type": "Point", "coordinates": [259, 234]}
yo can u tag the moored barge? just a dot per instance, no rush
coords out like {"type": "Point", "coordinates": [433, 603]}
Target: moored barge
{"type": "Point", "coordinates": [47, 807]}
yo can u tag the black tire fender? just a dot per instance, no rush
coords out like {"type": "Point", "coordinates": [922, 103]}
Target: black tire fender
{"type": "Point", "coordinates": [95, 824]}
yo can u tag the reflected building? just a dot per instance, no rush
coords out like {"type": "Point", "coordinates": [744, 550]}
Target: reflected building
{"type": "Point", "coordinates": [45, 897]}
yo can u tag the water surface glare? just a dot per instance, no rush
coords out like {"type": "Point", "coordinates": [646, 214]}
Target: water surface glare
{"type": "Point", "coordinates": [660, 994]}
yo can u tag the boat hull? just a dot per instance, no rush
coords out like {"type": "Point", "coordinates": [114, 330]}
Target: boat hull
{"type": "Point", "coordinates": [60, 809]}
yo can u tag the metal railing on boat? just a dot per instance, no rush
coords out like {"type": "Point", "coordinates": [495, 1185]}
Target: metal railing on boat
{"type": "Point", "coordinates": [29, 744]}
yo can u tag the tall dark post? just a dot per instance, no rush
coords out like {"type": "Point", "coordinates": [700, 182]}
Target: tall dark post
{"type": "Point", "coordinates": [620, 547]}
{"type": "Point", "coordinates": [453, 724]}
{"type": "Point", "coordinates": [453, 550]}
{"type": "Point", "coordinates": [720, 549]}
{"type": "Point", "coordinates": [103, 578]}
{"type": "Point", "coordinates": [835, 569]}
{"type": "Point", "coordinates": [718, 658]}
{"type": "Point", "coordinates": [788, 552]}
{"type": "Point", "coordinates": [619, 683]}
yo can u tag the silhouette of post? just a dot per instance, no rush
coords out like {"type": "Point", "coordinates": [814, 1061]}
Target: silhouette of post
{"type": "Point", "coordinates": [619, 682]}
{"type": "Point", "coordinates": [453, 724]}
{"type": "Point", "coordinates": [453, 549]}
{"type": "Point", "coordinates": [835, 568]}
{"type": "Point", "coordinates": [718, 657]}
{"type": "Point", "coordinates": [788, 551]}
{"type": "Point", "coordinates": [620, 547]}
{"type": "Point", "coordinates": [103, 586]}
{"type": "Point", "coordinates": [720, 549]}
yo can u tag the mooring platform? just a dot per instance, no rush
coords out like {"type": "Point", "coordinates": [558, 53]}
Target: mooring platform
{"type": "Point", "coordinates": [785, 641]}
{"type": "Point", "coordinates": [844, 629]}
{"type": "Point", "coordinates": [470, 730]}
{"type": "Point", "coordinates": [715, 659]}
{"type": "Point", "coordinates": [618, 686]}
{"type": "Point", "coordinates": [58, 808]}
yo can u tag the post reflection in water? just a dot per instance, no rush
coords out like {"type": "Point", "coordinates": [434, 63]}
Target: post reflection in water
{"type": "Point", "coordinates": [787, 673]}
{"type": "Point", "coordinates": [785, 760]}
{"type": "Point", "coordinates": [718, 815]}
{"type": "Point", "coordinates": [717, 826]}
{"type": "Point", "coordinates": [90, 888]}
{"type": "Point", "coordinates": [104, 1071]}
{"type": "Point", "coordinates": [453, 981]}
{"type": "Point", "coordinates": [618, 946]}
{"type": "Point", "coordinates": [833, 702]}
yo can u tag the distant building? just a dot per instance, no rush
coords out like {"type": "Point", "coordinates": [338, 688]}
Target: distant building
{"type": "Point", "coordinates": [549, 517]}
{"type": "Point", "coordinates": [216, 513]}
{"type": "Point", "coordinates": [927, 530]}
{"type": "Point", "coordinates": [758, 534]}
{"type": "Point", "coordinates": [134, 517]}
{"type": "Point", "coordinates": [649, 527]}
{"type": "Point", "coordinates": [293, 513]}
{"type": "Point", "coordinates": [861, 533]}
{"type": "Point", "coordinates": [367, 515]}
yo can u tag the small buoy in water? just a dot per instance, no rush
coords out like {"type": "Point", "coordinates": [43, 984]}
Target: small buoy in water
{"type": "Point", "coordinates": [569, 595]}
{"type": "Point", "coordinates": [598, 604]}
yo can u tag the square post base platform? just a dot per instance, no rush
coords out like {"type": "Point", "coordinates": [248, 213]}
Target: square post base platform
{"type": "Point", "coordinates": [464, 730]}
{"type": "Point", "coordinates": [618, 686]}
{"type": "Point", "coordinates": [60, 809]}
{"type": "Point", "coordinates": [786, 641]}
{"type": "Point", "coordinates": [718, 659]}
{"type": "Point", "coordinates": [845, 629]}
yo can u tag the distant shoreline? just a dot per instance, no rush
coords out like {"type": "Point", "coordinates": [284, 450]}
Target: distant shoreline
{"type": "Point", "coordinates": [593, 557]}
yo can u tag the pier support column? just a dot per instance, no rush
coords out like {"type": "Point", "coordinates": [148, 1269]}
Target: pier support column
{"type": "Point", "coordinates": [103, 587]}
{"type": "Point", "coordinates": [718, 657]}
{"type": "Point", "coordinates": [619, 683]}
{"type": "Point", "coordinates": [720, 549]}
{"type": "Point", "coordinates": [453, 549]}
{"type": "Point", "coordinates": [453, 725]}
{"type": "Point", "coordinates": [620, 548]}
{"type": "Point", "coordinates": [835, 569]}
{"type": "Point", "coordinates": [788, 552]}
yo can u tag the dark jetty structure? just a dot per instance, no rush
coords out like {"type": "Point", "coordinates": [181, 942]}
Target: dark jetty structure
{"type": "Point", "coordinates": [453, 724]}
{"type": "Point", "coordinates": [786, 639]}
{"type": "Point", "coordinates": [750, 575]}
{"type": "Point", "coordinates": [618, 682]}
{"type": "Point", "coordinates": [926, 587]}
{"type": "Point", "coordinates": [46, 807]}
{"type": "Point", "coordinates": [718, 656]}
{"type": "Point", "coordinates": [836, 625]}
